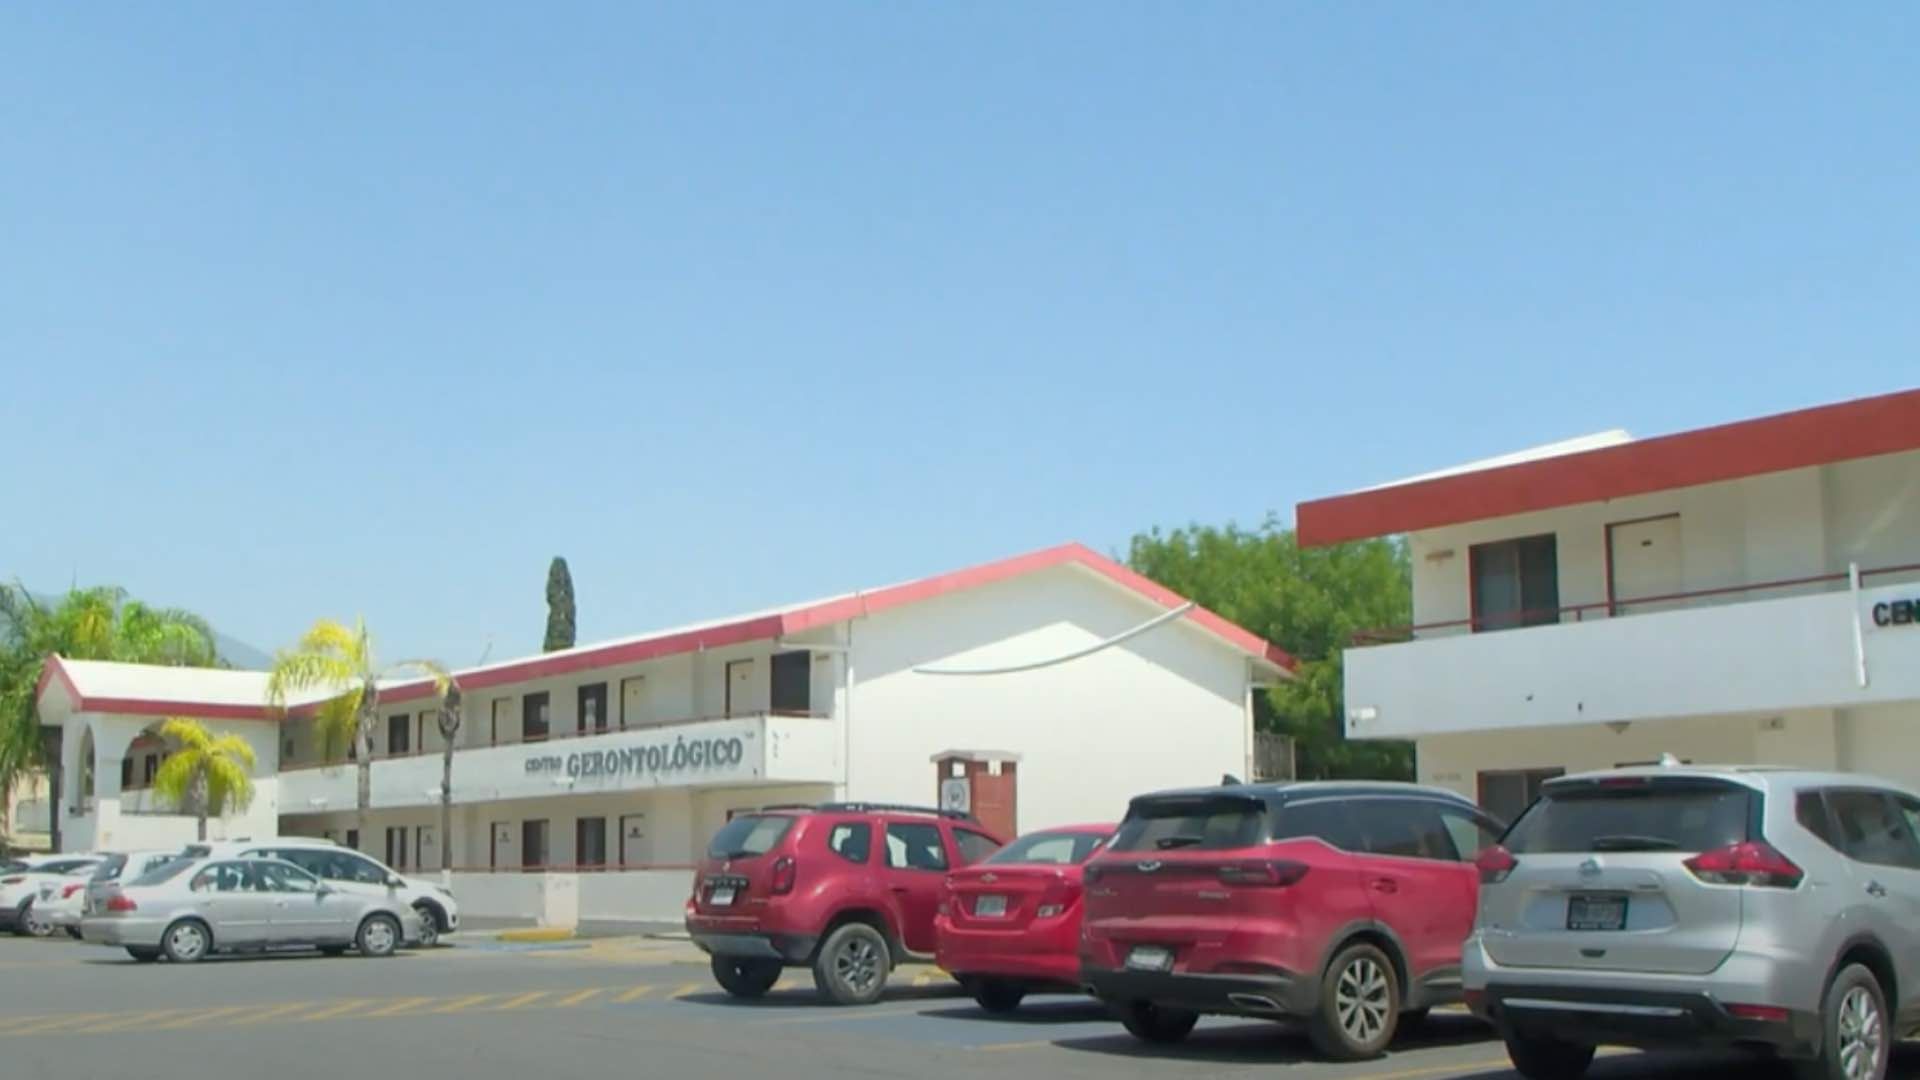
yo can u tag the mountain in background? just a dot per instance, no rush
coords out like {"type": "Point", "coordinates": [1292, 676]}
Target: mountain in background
{"type": "Point", "coordinates": [236, 653]}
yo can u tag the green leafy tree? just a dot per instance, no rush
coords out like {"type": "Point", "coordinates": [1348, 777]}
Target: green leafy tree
{"type": "Point", "coordinates": [561, 623]}
{"type": "Point", "coordinates": [339, 661]}
{"type": "Point", "coordinates": [1308, 601]}
{"type": "Point", "coordinates": [100, 623]}
{"type": "Point", "coordinates": [211, 774]}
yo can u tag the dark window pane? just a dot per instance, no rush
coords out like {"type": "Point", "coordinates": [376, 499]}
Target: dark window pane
{"type": "Point", "coordinates": [590, 841]}
{"type": "Point", "coordinates": [533, 844]}
{"type": "Point", "coordinates": [974, 846]}
{"type": "Point", "coordinates": [1050, 849]}
{"type": "Point", "coordinates": [792, 690]}
{"type": "Point", "coordinates": [1873, 830]}
{"type": "Point", "coordinates": [1327, 820]}
{"type": "Point", "coordinates": [851, 840]}
{"type": "Point", "coordinates": [1470, 832]}
{"type": "Point", "coordinates": [592, 708]}
{"type": "Point", "coordinates": [398, 732]}
{"type": "Point", "coordinates": [533, 716]}
{"type": "Point", "coordinates": [1655, 815]}
{"type": "Point", "coordinates": [1515, 582]}
{"type": "Point", "coordinates": [1202, 822]}
{"type": "Point", "coordinates": [912, 846]}
{"type": "Point", "coordinates": [1406, 828]}
{"type": "Point", "coordinates": [748, 835]}
{"type": "Point", "coordinates": [1810, 810]}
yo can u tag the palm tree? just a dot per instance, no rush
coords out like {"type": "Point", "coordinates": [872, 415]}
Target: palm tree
{"type": "Point", "coordinates": [448, 717]}
{"type": "Point", "coordinates": [213, 774]}
{"type": "Point", "coordinates": [340, 661]}
{"type": "Point", "coordinates": [98, 623]}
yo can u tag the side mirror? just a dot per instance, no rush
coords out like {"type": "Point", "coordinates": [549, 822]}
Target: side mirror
{"type": "Point", "coordinates": [324, 890]}
{"type": "Point", "coordinates": [394, 882]}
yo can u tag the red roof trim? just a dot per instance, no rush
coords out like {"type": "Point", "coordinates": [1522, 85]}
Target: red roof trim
{"type": "Point", "coordinates": [1821, 435]}
{"type": "Point", "coordinates": [56, 665]}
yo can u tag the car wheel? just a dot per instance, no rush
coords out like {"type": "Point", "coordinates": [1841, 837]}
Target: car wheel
{"type": "Point", "coordinates": [187, 941]}
{"type": "Point", "coordinates": [744, 978]}
{"type": "Point", "coordinates": [74, 933]}
{"type": "Point", "coordinates": [1855, 1033]}
{"type": "Point", "coordinates": [429, 926]}
{"type": "Point", "coordinates": [143, 954]}
{"type": "Point", "coordinates": [36, 923]}
{"type": "Point", "coordinates": [1156, 1023]}
{"type": "Point", "coordinates": [1540, 1058]}
{"type": "Point", "coordinates": [1359, 1005]}
{"type": "Point", "coordinates": [852, 966]}
{"type": "Point", "coordinates": [379, 936]}
{"type": "Point", "coordinates": [998, 995]}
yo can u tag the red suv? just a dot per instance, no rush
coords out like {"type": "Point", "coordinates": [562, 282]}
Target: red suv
{"type": "Point", "coordinates": [1340, 904]}
{"type": "Point", "coordinates": [1010, 926]}
{"type": "Point", "coordinates": [848, 889]}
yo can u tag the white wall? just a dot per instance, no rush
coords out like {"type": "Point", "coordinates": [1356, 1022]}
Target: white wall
{"type": "Point", "coordinates": [134, 820]}
{"type": "Point", "coordinates": [1165, 709]}
{"type": "Point", "coordinates": [1883, 740]}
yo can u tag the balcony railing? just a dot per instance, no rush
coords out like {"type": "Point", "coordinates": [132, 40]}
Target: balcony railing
{"type": "Point", "coordinates": [1619, 606]}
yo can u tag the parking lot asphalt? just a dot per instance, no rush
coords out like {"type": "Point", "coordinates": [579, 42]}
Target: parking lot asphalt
{"type": "Point", "coordinates": [478, 1012]}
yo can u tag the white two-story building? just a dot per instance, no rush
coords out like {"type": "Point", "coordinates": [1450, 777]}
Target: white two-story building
{"type": "Point", "coordinates": [1039, 690]}
{"type": "Point", "coordinates": [1748, 593]}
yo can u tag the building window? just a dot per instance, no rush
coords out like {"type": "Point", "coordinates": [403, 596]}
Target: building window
{"type": "Point", "coordinates": [1506, 793]}
{"type": "Point", "coordinates": [152, 766]}
{"type": "Point", "coordinates": [1515, 583]}
{"type": "Point", "coordinates": [533, 843]}
{"type": "Point", "coordinates": [592, 714]}
{"type": "Point", "coordinates": [353, 839]}
{"type": "Point", "coordinates": [399, 730]}
{"type": "Point", "coordinates": [792, 687]}
{"type": "Point", "coordinates": [126, 773]}
{"type": "Point", "coordinates": [397, 847]}
{"type": "Point", "coordinates": [590, 842]}
{"type": "Point", "coordinates": [533, 716]}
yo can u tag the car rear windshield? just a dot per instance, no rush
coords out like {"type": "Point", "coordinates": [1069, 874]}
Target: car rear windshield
{"type": "Point", "coordinates": [1634, 815]}
{"type": "Point", "coordinates": [165, 872]}
{"type": "Point", "coordinates": [1049, 849]}
{"type": "Point", "coordinates": [749, 834]}
{"type": "Point", "coordinates": [109, 868]}
{"type": "Point", "coordinates": [1205, 822]}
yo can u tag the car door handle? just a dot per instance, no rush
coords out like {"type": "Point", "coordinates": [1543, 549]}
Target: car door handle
{"type": "Point", "coordinates": [1385, 885]}
{"type": "Point", "coordinates": [1876, 890]}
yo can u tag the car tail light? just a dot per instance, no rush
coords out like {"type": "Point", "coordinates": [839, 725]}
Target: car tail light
{"type": "Point", "coordinates": [785, 873]}
{"type": "Point", "coordinates": [1277, 872]}
{"type": "Point", "coordinates": [1772, 1014]}
{"type": "Point", "coordinates": [1752, 863]}
{"type": "Point", "coordinates": [70, 890]}
{"type": "Point", "coordinates": [1495, 864]}
{"type": "Point", "coordinates": [121, 902]}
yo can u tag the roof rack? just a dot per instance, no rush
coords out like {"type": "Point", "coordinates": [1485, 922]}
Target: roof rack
{"type": "Point", "coordinates": [873, 807]}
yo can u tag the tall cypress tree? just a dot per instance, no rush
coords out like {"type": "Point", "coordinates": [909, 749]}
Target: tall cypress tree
{"type": "Point", "coordinates": [560, 614]}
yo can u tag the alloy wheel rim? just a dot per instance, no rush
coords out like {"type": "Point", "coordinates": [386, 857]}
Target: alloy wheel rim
{"type": "Point", "coordinates": [1862, 1035]}
{"type": "Point", "coordinates": [858, 965]}
{"type": "Point", "coordinates": [429, 931]}
{"type": "Point", "coordinates": [188, 942]}
{"type": "Point", "coordinates": [379, 936]}
{"type": "Point", "coordinates": [1360, 1000]}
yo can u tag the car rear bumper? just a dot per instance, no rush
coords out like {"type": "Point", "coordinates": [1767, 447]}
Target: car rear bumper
{"type": "Point", "coordinates": [786, 948]}
{"type": "Point", "coordinates": [1239, 994]}
{"type": "Point", "coordinates": [1648, 1019]}
{"type": "Point", "coordinates": [116, 931]}
{"type": "Point", "coordinates": [1056, 969]}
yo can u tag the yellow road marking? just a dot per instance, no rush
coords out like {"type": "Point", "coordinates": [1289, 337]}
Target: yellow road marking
{"type": "Point", "coordinates": [520, 1002]}
{"type": "Point", "coordinates": [461, 1003]}
{"type": "Point", "coordinates": [332, 1011]}
{"type": "Point", "coordinates": [788, 983]}
{"type": "Point", "coordinates": [122, 1023]}
{"type": "Point", "coordinates": [634, 994]}
{"type": "Point", "coordinates": [688, 990]}
{"type": "Point", "coordinates": [398, 1007]}
{"type": "Point", "coordinates": [200, 1016]}
{"type": "Point", "coordinates": [1461, 1068]}
{"type": "Point", "coordinates": [578, 997]}
{"type": "Point", "coordinates": [46, 1024]}
{"type": "Point", "coordinates": [274, 1012]}
{"type": "Point", "coordinates": [841, 1016]}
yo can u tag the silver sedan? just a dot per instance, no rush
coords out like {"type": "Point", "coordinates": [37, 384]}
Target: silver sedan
{"type": "Point", "coordinates": [186, 909]}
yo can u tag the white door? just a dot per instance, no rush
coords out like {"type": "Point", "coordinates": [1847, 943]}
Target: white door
{"type": "Point", "coordinates": [633, 702]}
{"type": "Point", "coordinates": [743, 688]}
{"type": "Point", "coordinates": [428, 844]}
{"type": "Point", "coordinates": [1646, 563]}
{"type": "Point", "coordinates": [635, 848]}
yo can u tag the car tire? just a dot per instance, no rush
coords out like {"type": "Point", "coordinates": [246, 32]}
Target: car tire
{"type": "Point", "coordinates": [744, 977]}
{"type": "Point", "coordinates": [1853, 1023]}
{"type": "Point", "coordinates": [378, 936]}
{"type": "Point", "coordinates": [36, 924]}
{"type": "Point", "coordinates": [1359, 1005]}
{"type": "Point", "coordinates": [74, 933]}
{"type": "Point", "coordinates": [852, 965]}
{"type": "Point", "coordinates": [143, 954]}
{"type": "Point", "coordinates": [187, 941]}
{"type": "Point", "coordinates": [1540, 1058]}
{"type": "Point", "coordinates": [997, 995]}
{"type": "Point", "coordinates": [1156, 1023]}
{"type": "Point", "coordinates": [429, 925]}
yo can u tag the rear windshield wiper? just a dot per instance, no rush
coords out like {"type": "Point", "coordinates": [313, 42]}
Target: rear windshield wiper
{"type": "Point", "coordinates": [739, 854]}
{"type": "Point", "coordinates": [1630, 842]}
{"type": "Point", "coordinates": [1166, 842]}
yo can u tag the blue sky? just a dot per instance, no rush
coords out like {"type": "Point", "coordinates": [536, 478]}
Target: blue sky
{"type": "Point", "coordinates": [372, 309]}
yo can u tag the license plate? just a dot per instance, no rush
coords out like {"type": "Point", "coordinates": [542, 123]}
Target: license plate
{"type": "Point", "coordinates": [990, 907]}
{"type": "Point", "coordinates": [722, 896]}
{"type": "Point", "coordinates": [1596, 913]}
{"type": "Point", "coordinates": [1150, 958]}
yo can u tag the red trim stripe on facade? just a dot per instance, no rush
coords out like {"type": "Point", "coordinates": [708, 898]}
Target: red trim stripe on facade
{"type": "Point", "coordinates": [1823, 435]}
{"type": "Point", "coordinates": [757, 628]}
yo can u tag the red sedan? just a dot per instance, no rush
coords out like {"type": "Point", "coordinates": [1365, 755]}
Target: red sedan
{"type": "Point", "coordinates": [1010, 924]}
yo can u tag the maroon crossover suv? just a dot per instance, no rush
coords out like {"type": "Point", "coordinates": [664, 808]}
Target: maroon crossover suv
{"type": "Point", "coordinates": [1340, 904]}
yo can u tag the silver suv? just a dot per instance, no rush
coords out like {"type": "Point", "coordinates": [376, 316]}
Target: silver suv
{"type": "Point", "coordinates": [1677, 905]}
